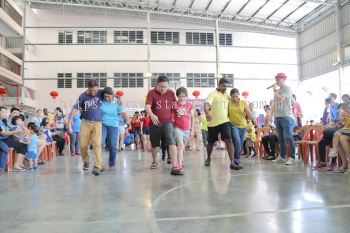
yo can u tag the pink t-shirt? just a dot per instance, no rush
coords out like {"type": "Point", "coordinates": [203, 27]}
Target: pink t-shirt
{"type": "Point", "coordinates": [161, 105]}
{"type": "Point", "coordinates": [182, 115]}
{"type": "Point", "coordinates": [296, 109]}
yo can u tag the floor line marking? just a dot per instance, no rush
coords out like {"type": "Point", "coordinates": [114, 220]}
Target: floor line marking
{"type": "Point", "coordinates": [251, 213]}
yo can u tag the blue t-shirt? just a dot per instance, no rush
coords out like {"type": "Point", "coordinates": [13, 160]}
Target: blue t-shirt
{"type": "Point", "coordinates": [32, 146]}
{"type": "Point", "coordinates": [60, 121]}
{"type": "Point", "coordinates": [110, 112]}
{"type": "Point", "coordinates": [37, 121]}
{"type": "Point", "coordinates": [76, 122]}
{"type": "Point", "coordinates": [90, 106]}
{"type": "Point", "coordinates": [121, 124]}
{"type": "Point", "coordinates": [3, 129]}
{"type": "Point", "coordinates": [333, 115]}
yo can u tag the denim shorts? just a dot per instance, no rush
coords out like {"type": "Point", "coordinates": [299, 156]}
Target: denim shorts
{"type": "Point", "coordinates": [31, 155]}
{"type": "Point", "coordinates": [181, 135]}
{"type": "Point", "coordinates": [146, 130]}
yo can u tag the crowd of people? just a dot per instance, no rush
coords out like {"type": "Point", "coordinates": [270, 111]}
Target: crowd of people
{"type": "Point", "coordinates": [98, 121]}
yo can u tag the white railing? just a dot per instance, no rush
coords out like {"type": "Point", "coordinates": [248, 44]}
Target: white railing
{"type": "Point", "coordinates": [14, 42]}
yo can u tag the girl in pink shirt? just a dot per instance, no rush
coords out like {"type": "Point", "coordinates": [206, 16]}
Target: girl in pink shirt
{"type": "Point", "coordinates": [183, 121]}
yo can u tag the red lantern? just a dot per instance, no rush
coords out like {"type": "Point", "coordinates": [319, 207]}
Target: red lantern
{"type": "Point", "coordinates": [119, 93]}
{"type": "Point", "coordinates": [325, 89]}
{"type": "Point", "coordinates": [309, 92]}
{"type": "Point", "coordinates": [54, 95]}
{"type": "Point", "coordinates": [3, 91]}
{"type": "Point", "coordinates": [196, 94]}
{"type": "Point", "coordinates": [245, 94]}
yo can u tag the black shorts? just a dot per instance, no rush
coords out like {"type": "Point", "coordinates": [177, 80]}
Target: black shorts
{"type": "Point", "coordinates": [157, 131]}
{"type": "Point", "coordinates": [223, 129]}
{"type": "Point", "coordinates": [16, 145]}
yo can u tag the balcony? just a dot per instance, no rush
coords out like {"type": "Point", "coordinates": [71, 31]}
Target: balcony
{"type": "Point", "coordinates": [15, 46]}
{"type": "Point", "coordinates": [11, 19]}
{"type": "Point", "coordinates": [10, 67]}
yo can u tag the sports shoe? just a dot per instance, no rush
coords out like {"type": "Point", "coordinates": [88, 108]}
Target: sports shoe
{"type": "Point", "coordinates": [333, 153]}
{"type": "Point", "coordinates": [96, 171]}
{"type": "Point", "coordinates": [207, 163]}
{"type": "Point", "coordinates": [86, 166]}
{"type": "Point", "coordinates": [169, 161]}
{"type": "Point", "coordinates": [279, 159]}
{"type": "Point", "coordinates": [154, 165]}
{"type": "Point", "coordinates": [290, 161]}
{"type": "Point", "coordinates": [319, 166]}
{"type": "Point", "coordinates": [234, 166]}
{"type": "Point", "coordinates": [331, 167]}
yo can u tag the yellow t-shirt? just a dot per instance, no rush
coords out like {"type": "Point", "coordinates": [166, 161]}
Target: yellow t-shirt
{"type": "Point", "coordinates": [346, 123]}
{"type": "Point", "coordinates": [236, 114]}
{"type": "Point", "coordinates": [218, 108]}
{"type": "Point", "coordinates": [204, 123]}
{"type": "Point", "coordinates": [251, 134]}
{"type": "Point", "coordinates": [50, 117]}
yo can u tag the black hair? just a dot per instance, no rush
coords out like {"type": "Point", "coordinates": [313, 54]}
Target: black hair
{"type": "Point", "coordinates": [14, 119]}
{"type": "Point", "coordinates": [14, 109]}
{"type": "Point", "coordinates": [267, 107]}
{"type": "Point", "coordinates": [30, 124]}
{"type": "Point", "coordinates": [224, 80]}
{"type": "Point", "coordinates": [137, 112]}
{"type": "Point", "coordinates": [59, 109]}
{"type": "Point", "coordinates": [108, 91]}
{"type": "Point", "coordinates": [162, 78]}
{"type": "Point", "coordinates": [44, 120]}
{"type": "Point", "coordinates": [328, 100]}
{"type": "Point", "coordinates": [23, 118]}
{"type": "Point", "coordinates": [234, 91]}
{"type": "Point", "coordinates": [198, 112]}
{"type": "Point", "coordinates": [92, 83]}
{"type": "Point", "coordinates": [346, 96]}
{"type": "Point", "coordinates": [333, 95]}
{"type": "Point", "coordinates": [181, 90]}
{"type": "Point", "coordinates": [35, 128]}
{"type": "Point", "coordinates": [294, 96]}
{"type": "Point", "coordinates": [45, 123]}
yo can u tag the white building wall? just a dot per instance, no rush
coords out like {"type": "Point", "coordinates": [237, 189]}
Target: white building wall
{"type": "Point", "coordinates": [252, 56]}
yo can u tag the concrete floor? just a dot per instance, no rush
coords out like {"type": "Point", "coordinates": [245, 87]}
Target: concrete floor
{"type": "Point", "coordinates": [264, 197]}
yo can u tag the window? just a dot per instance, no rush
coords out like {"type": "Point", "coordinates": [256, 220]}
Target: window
{"type": "Point", "coordinates": [64, 80]}
{"type": "Point", "coordinates": [225, 39]}
{"type": "Point", "coordinates": [174, 79]}
{"type": "Point", "coordinates": [65, 37]}
{"type": "Point", "coordinates": [199, 38]}
{"type": "Point", "coordinates": [10, 11]}
{"type": "Point", "coordinates": [131, 80]}
{"type": "Point", "coordinates": [9, 64]}
{"type": "Point", "coordinates": [128, 37]}
{"type": "Point", "coordinates": [92, 37]}
{"type": "Point", "coordinates": [200, 80]}
{"type": "Point", "coordinates": [229, 77]}
{"type": "Point", "coordinates": [165, 37]}
{"type": "Point", "coordinates": [83, 79]}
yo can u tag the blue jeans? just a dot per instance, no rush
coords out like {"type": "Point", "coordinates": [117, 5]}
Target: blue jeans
{"type": "Point", "coordinates": [74, 142]}
{"type": "Point", "coordinates": [237, 139]}
{"type": "Point", "coordinates": [3, 155]}
{"type": "Point", "coordinates": [112, 134]}
{"type": "Point", "coordinates": [284, 127]}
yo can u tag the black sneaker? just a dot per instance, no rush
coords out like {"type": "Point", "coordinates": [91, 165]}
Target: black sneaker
{"type": "Point", "coordinates": [207, 162]}
{"type": "Point", "coordinates": [41, 162]}
{"type": "Point", "coordinates": [169, 161]}
{"type": "Point", "coordinates": [234, 166]}
{"type": "Point", "coordinates": [86, 166]}
{"type": "Point", "coordinates": [96, 171]}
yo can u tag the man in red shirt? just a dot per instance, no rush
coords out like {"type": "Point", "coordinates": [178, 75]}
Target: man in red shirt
{"type": "Point", "coordinates": [159, 106]}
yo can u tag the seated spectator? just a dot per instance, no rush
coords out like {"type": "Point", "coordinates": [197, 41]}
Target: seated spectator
{"type": "Point", "coordinates": [5, 133]}
{"type": "Point", "coordinates": [50, 137]}
{"type": "Point", "coordinates": [3, 156]}
{"type": "Point", "coordinates": [269, 142]}
{"type": "Point", "coordinates": [38, 118]}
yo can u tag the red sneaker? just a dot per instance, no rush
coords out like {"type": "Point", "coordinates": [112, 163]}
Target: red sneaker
{"type": "Point", "coordinates": [319, 166]}
{"type": "Point", "coordinates": [331, 167]}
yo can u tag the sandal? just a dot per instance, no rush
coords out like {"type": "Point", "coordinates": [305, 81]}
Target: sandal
{"type": "Point", "coordinates": [175, 171]}
{"type": "Point", "coordinates": [270, 157]}
{"type": "Point", "coordinates": [154, 165]}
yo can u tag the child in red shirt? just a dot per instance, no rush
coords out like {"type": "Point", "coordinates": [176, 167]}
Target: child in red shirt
{"type": "Point", "coordinates": [145, 123]}
{"type": "Point", "coordinates": [183, 121]}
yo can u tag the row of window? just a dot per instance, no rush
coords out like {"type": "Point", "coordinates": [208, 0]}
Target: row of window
{"type": "Point", "coordinates": [135, 80]}
{"type": "Point", "coordinates": [137, 37]}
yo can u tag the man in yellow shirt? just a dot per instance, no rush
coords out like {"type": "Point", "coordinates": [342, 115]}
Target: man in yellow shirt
{"type": "Point", "coordinates": [216, 111]}
{"type": "Point", "coordinates": [48, 115]}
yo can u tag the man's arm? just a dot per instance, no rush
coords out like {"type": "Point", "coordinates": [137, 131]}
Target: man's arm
{"type": "Point", "coordinates": [153, 117]}
{"type": "Point", "coordinates": [126, 118]}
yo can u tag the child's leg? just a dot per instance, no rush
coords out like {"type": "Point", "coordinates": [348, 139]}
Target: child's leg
{"type": "Point", "coordinates": [35, 162]}
{"type": "Point", "coordinates": [30, 163]}
{"type": "Point", "coordinates": [180, 152]}
{"type": "Point", "coordinates": [334, 150]}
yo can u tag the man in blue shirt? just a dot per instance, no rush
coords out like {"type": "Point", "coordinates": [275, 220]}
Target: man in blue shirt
{"type": "Point", "coordinates": [333, 109]}
{"type": "Point", "coordinates": [90, 105]}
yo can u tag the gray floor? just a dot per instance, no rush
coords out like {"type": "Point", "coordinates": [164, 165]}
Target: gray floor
{"type": "Point", "coordinates": [264, 197]}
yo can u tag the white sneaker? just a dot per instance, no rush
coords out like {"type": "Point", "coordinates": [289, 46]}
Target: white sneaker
{"type": "Point", "coordinates": [333, 153]}
{"type": "Point", "coordinates": [290, 161]}
{"type": "Point", "coordinates": [279, 159]}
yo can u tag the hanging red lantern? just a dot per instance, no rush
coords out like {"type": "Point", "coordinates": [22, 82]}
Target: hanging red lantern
{"type": "Point", "coordinates": [119, 93]}
{"type": "Point", "coordinates": [245, 94]}
{"type": "Point", "coordinates": [196, 94]}
{"type": "Point", "coordinates": [3, 91]}
{"type": "Point", "coordinates": [54, 95]}
{"type": "Point", "coordinates": [309, 92]}
{"type": "Point", "coordinates": [325, 89]}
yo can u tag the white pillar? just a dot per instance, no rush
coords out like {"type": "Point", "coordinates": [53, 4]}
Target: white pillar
{"type": "Point", "coordinates": [148, 50]}
{"type": "Point", "coordinates": [217, 47]}
{"type": "Point", "coordinates": [340, 54]}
